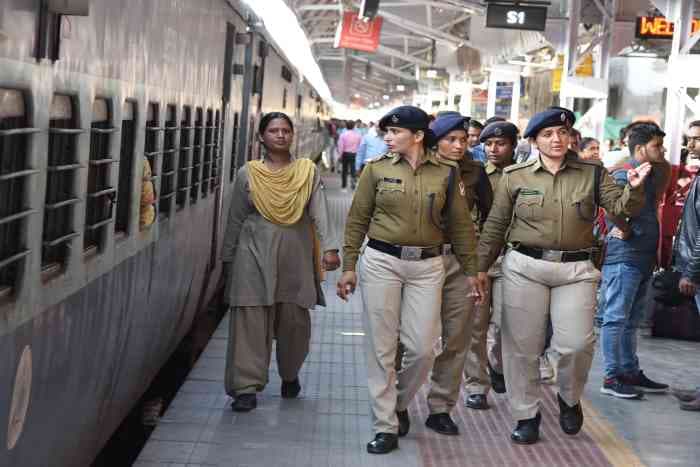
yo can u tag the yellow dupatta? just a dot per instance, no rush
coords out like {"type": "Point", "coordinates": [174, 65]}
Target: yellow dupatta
{"type": "Point", "coordinates": [280, 196]}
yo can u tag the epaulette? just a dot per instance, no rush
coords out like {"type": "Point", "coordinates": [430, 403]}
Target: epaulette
{"type": "Point", "coordinates": [448, 162]}
{"type": "Point", "coordinates": [521, 165]}
{"type": "Point", "coordinates": [471, 162]}
{"type": "Point", "coordinates": [386, 155]}
{"type": "Point", "coordinates": [586, 161]}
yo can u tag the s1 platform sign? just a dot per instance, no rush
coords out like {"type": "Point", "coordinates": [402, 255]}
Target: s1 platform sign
{"type": "Point", "coordinates": [358, 34]}
{"type": "Point", "coordinates": [516, 16]}
{"type": "Point", "coordinates": [658, 27]}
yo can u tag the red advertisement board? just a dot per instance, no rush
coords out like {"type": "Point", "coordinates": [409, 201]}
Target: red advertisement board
{"type": "Point", "coordinates": [358, 34]}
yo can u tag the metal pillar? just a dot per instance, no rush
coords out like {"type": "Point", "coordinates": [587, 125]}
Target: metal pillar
{"type": "Point", "coordinates": [571, 50]}
{"type": "Point", "coordinates": [681, 13]}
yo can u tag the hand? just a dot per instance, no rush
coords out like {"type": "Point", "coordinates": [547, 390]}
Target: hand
{"type": "Point", "coordinates": [616, 232]}
{"type": "Point", "coordinates": [331, 260]}
{"type": "Point", "coordinates": [686, 287]}
{"type": "Point", "coordinates": [636, 177]}
{"type": "Point", "coordinates": [346, 285]}
{"type": "Point", "coordinates": [480, 286]}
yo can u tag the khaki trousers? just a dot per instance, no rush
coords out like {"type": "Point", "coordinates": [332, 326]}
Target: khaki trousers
{"type": "Point", "coordinates": [456, 317]}
{"type": "Point", "coordinates": [532, 291]}
{"type": "Point", "coordinates": [251, 330]}
{"type": "Point", "coordinates": [493, 337]}
{"type": "Point", "coordinates": [476, 377]}
{"type": "Point", "coordinates": [401, 301]}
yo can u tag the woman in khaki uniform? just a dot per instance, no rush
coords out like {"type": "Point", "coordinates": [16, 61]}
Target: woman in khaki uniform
{"type": "Point", "coordinates": [409, 203]}
{"type": "Point", "coordinates": [277, 220]}
{"type": "Point", "coordinates": [458, 311]}
{"type": "Point", "coordinates": [544, 211]}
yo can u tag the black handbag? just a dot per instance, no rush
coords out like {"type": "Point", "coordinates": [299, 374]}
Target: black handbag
{"type": "Point", "coordinates": [665, 282]}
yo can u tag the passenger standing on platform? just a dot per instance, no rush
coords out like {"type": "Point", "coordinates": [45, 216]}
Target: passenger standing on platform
{"type": "Point", "coordinates": [589, 149]}
{"type": "Point", "coordinates": [409, 203]}
{"type": "Point", "coordinates": [630, 258]}
{"type": "Point", "coordinates": [371, 147]}
{"type": "Point", "coordinates": [348, 143]}
{"type": "Point", "coordinates": [475, 148]}
{"type": "Point", "coordinates": [544, 211]}
{"type": "Point", "coordinates": [277, 226]}
{"type": "Point", "coordinates": [457, 302]}
{"type": "Point", "coordinates": [484, 368]}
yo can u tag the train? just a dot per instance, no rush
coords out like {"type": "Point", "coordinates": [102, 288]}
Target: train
{"type": "Point", "coordinates": [93, 299]}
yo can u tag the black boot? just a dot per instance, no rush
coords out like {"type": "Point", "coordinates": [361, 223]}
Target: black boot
{"type": "Point", "coordinates": [498, 382]}
{"type": "Point", "coordinates": [404, 422]}
{"type": "Point", "coordinates": [527, 431]}
{"type": "Point", "coordinates": [442, 423]}
{"type": "Point", "coordinates": [570, 418]}
{"type": "Point", "coordinates": [383, 443]}
{"type": "Point", "coordinates": [290, 389]}
{"type": "Point", "coordinates": [245, 403]}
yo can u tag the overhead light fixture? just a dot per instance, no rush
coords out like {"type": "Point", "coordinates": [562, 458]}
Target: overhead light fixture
{"type": "Point", "coordinates": [385, 97]}
{"type": "Point", "coordinates": [400, 87]}
{"type": "Point", "coordinates": [431, 73]}
{"type": "Point", "coordinates": [357, 96]}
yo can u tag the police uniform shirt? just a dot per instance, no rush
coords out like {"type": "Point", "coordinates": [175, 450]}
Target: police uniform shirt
{"type": "Point", "coordinates": [494, 173]}
{"type": "Point", "coordinates": [534, 208]}
{"type": "Point", "coordinates": [399, 205]}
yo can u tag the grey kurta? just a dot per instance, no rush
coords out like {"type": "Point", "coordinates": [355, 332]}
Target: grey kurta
{"type": "Point", "coordinates": [274, 263]}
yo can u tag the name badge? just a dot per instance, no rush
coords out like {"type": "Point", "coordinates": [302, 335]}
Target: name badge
{"type": "Point", "coordinates": [392, 180]}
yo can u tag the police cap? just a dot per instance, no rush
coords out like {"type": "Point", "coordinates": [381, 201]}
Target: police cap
{"type": "Point", "coordinates": [447, 123]}
{"type": "Point", "coordinates": [553, 116]}
{"type": "Point", "coordinates": [405, 116]}
{"type": "Point", "coordinates": [499, 130]}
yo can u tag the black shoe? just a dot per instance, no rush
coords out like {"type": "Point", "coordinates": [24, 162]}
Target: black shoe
{"type": "Point", "coordinates": [478, 402]}
{"type": "Point", "coordinates": [641, 383]}
{"type": "Point", "coordinates": [245, 403]}
{"type": "Point", "coordinates": [527, 431]}
{"type": "Point", "coordinates": [290, 389]}
{"type": "Point", "coordinates": [404, 422]}
{"type": "Point", "coordinates": [442, 423]}
{"type": "Point", "coordinates": [615, 387]}
{"type": "Point", "coordinates": [570, 418]}
{"type": "Point", "coordinates": [498, 382]}
{"type": "Point", "coordinates": [383, 443]}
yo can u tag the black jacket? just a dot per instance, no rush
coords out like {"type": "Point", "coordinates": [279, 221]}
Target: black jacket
{"type": "Point", "coordinates": [687, 247]}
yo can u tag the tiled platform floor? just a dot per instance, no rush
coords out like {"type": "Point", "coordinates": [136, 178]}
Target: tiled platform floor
{"type": "Point", "coordinates": [330, 424]}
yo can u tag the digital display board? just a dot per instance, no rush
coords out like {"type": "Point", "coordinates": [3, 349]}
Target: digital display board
{"type": "Point", "coordinates": [505, 16]}
{"type": "Point", "coordinates": [658, 27]}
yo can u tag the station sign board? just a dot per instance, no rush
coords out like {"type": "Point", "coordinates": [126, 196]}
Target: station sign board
{"type": "Point", "coordinates": [358, 34]}
{"type": "Point", "coordinates": [658, 27]}
{"type": "Point", "coordinates": [516, 16]}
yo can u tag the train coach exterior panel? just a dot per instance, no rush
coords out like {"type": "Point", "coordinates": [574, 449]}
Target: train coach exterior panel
{"type": "Point", "coordinates": [82, 333]}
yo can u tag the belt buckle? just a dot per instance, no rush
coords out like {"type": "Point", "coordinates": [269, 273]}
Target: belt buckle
{"type": "Point", "coordinates": [447, 249]}
{"type": "Point", "coordinates": [411, 253]}
{"type": "Point", "coordinates": [554, 256]}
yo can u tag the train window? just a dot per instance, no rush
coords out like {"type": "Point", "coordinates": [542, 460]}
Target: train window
{"type": "Point", "coordinates": [300, 99]}
{"type": "Point", "coordinates": [61, 182]}
{"type": "Point", "coordinates": [251, 138]}
{"type": "Point", "coordinates": [126, 167]}
{"type": "Point", "coordinates": [100, 193]}
{"type": "Point", "coordinates": [167, 172]}
{"type": "Point", "coordinates": [14, 170]}
{"type": "Point", "coordinates": [185, 165]}
{"type": "Point", "coordinates": [215, 179]}
{"type": "Point", "coordinates": [197, 150]}
{"type": "Point", "coordinates": [284, 98]}
{"type": "Point", "coordinates": [234, 147]}
{"type": "Point", "coordinates": [208, 148]}
{"type": "Point", "coordinates": [152, 145]}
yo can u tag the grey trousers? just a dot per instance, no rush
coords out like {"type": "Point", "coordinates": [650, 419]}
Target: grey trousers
{"type": "Point", "coordinates": [456, 317]}
{"type": "Point", "coordinates": [401, 301]}
{"type": "Point", "coordinates": [251, 330]}
{"type": "Point", "coordinates": [532, 291]}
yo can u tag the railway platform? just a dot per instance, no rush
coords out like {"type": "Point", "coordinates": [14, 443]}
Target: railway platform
{"type": "Point", "coordinates": [329, 424]}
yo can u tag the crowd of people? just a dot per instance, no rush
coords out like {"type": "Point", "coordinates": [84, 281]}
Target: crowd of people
{"type": "Point", "coordinates": [479, 238]}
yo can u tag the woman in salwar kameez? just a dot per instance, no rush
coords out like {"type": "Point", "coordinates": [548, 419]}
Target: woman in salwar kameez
{"type": "Point", "coordinates": [277, 225]}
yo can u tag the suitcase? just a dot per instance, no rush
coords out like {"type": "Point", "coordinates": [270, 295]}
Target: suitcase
{"type": "Point", "coordinates": [677, 322]}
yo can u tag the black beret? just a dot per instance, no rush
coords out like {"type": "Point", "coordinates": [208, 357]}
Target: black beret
{"type": "Point", "coordinates": [405, 116]}
{"type": "Point", "coordinates": [554, 116]}
{"type": "Point", "coordinates": [499, 130]}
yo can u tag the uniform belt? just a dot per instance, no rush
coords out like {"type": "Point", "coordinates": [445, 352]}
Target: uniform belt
{"type": "Point", "coordinates": [409, 253]}
{"type": "Point", "coordinates": [555, 256]}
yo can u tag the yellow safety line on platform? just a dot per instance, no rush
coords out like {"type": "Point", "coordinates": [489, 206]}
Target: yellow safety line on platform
{"type": "Point", "coordinates": [614, 447]}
